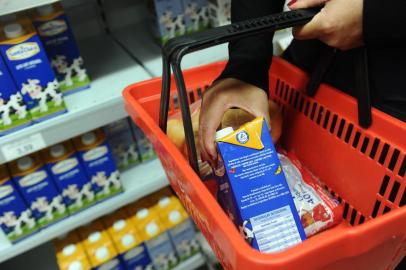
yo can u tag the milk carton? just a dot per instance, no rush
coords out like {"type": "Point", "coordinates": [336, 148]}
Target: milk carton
{"type": "Point", "coordinates": [258, 198]}
{"type": "Point", "coordinates": [16, 219]}
{"type": "Point", "coordinates": [70, 253]}
{"type": "Point", "coordinates": [38, 189]}
{"type": "Point", "coordinates": [122, 143]}
{"type": "Point", "coordinates": [129, 244]}
{"type": "Point", "coordinates": [14, 114]}
{"type": "Point", "coordinates": [219, 12]}
{"type": "Point", "coordinates": [180, 227]}
{"type": "Point", "coordinates": [157, 241]}
{"type": "Point", "coordinates": [168, 19]}
{"type": "Point", "coordinates": [145, 147]}
{"type": "Point", "coordinates": [53, 27]}
{"type": "Point", "coordinates": [96, 157]}
{"type": "Point", "coordinates": [196, 15]}
{"type": "Point", "coordinates": [28, 64]}
{"type": "Point", "coordinates": [70, 176]}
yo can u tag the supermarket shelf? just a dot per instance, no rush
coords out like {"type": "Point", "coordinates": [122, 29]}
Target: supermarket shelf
{"type": "Point", "coordinates": [10, 6]}
{"type": "Point", "coordinates": [138, 182]}
{"type": "Point", "coordinates": [192, 263]}
{"type": "Point", "coordinates": [92, 108]}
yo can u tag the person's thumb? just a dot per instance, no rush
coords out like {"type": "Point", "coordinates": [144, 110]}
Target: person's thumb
{"type": "Point", "coordinates": [296, 4]}
{"type": "Point", "coordinates": [311, 30]}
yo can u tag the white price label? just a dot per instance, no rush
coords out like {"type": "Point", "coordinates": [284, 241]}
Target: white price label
{"type": "Point", "coordinates": [23, 146]}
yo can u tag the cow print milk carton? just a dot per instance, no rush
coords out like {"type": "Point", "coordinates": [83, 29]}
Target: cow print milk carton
{"type": "Point", "coordinates": [14, 113]}
{"type": "Point", "coordinates": [69, 176]}
{"type": "Point", "coordinates": [258, 195]}
{"type": "Point", "coordinates": [196, 15]}
{"type": "Point", "coordinates": [219, 12]}
{"type": "Point", "coordinates": [38, 189]}
{"type": "Point", "coordinates": [157, 241]}
{"type": "Point", "coordinates": [97, 159]}
{"type": "Point", "coordinates": [168, 19]}
{"type": "Point", "coordinates": [70, 253]}
{"type": "Point", "coordinates": [16, 219]}
{"type": "Point", "coordinates": [28, 64]}
{"type": "Point", "coordinates": [130, 246]}
{"type": "Point", "coordinates": [53, 27]}
{"type": "Point", "coordinates": [145, 147]}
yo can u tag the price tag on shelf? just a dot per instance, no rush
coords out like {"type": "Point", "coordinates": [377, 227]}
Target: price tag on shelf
{"type": "Point", "coordinates": [23, 146]}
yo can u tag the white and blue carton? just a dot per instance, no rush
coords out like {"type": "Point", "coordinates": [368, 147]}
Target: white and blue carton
{"type": "Point", "coordinates": [38, 189]}
{"type": "Point", "coordinates": [56, 34]}
{"type": "Point", "coordinates": [257, 196]}
{"type": "Point", "coordinates": [97, 159]}
{"type": "Point", "coordinates": [29, 66]}
{"type": "Point", "coordinates": [16, 219]}
{"type": "Point", "coordinates": [196, 15]}
{"type": "Point", "coordinates": [145, 147]}
{"type": "Point", "coordinates": [69, 176]}
{"type": "Point", "coordinates": [14, 114]}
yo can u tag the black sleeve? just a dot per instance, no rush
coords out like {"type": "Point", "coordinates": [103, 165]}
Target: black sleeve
{"type": "Point", "coordinates": [250, 58]}
{"type": "Point", "coordinates": [384, 22]}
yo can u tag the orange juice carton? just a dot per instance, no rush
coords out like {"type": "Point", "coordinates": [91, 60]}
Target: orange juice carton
{"type": "Point", "coordinates": [97, 159]}
{"type": "Point", "coordinates": [122, 143]}
{"type": "Point", "coordinates": [157, 240]}
{"type": "Point", "coordinates": [56, 34]}
{"type": "Point", "coordinates": [16, 219]}
{"type": "Point", "coordinates": [14, 113]}
{"type": "Point", "coordinates": [130, 246]}
{"type": "Point", "coordinates": [254, 189]}
{"type": "Point", "coordinates": [180, 227]}
{"type": "Point", "coordinates": [38, 189]}
{"type": "Point", "coordinates": [70, 253]}
{"type": "Point", "coordinates": [99, 247]}
{"type": "Point", "coordinates": [70, 176]}
{"type": "Point", "coordinates": [25, 57]}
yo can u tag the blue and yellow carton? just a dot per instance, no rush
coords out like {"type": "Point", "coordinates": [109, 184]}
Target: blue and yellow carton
{"type": "Point", "coordinates": [255, 192]}
{"type": "Point", "coordinates": [70, 176]}
{"type": "Point", "coordinates": [28, 64]}
{"type": "Point", "coordinates": [16, 219]}
{"type": "Point", "coordinates": [56, 34]}
{"type": "Point", "coordinates": [14, 114]}
{"type": "Point", "coordinates": [38, 189]}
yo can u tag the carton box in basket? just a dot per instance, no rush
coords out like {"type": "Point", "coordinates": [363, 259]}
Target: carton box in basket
{"type": "Point", "coordinates": [256, 194]}
{"type": "Point", "coordinates": [70, 253]}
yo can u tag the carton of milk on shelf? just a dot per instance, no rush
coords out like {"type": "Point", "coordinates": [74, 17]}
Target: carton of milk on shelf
{"type": "Point", "coordinates": [70, 176]}
{"type": "Point", "coordinates": [70, 253]}
{"type": "Point", "coordinates": [100, 249]}
{"type": "Point", "coordinates": [122, 143]}
{"type": "Point", "coordinates": [168, 19]}
{"type": "Point", "coordinates": [259, 198]}
{"type": "Point", "coordinates": [56, 34]}
{"type": "Point", "coordinates": [157, 241]}
{"type": "Point", "coordinates": [219, 12]}
{"type": "Point", "coordinates": [28, 64]}
{"type": "Point", "coordinates": [96, 157]}
{"type": "Point", "coordinates": [180, 227]}
{"type": "Point", "coordinates": [38, 189]}
{"type": "Point", "coordinates": [14, 113]}
{"type": "Point", "coordinates": [196, 15]}
{"type": "Point", "coordinates": [130, 246]}
{"type": "Point", "coordinates": [16, 219]}
{"type": "Point", "coordinates": [145, 147]}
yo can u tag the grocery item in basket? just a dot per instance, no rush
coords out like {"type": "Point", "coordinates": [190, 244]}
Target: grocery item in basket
{"type": "Point", "coordinates": [28, 63]}
{"type": "Point", "coordinates": [196, 15]}
{"type": "Point", "coordinates": [317, 210]}
{"type": "Point", "coordinates": [100, 249]}
{"type": "Point", "coordinates": [122, 143]}
{"type": "Point", "coordinates": [70, 253]}
{"type": "Point", "coordinates": [16, 219]}
{"type": "Point", "coordinates": [157, 241]}
{"type": "Point", "coordinates": [56, 34]}
{"type": "Point", "coordinates": [258, 199]}
{"type": "Point", "coordinates": [38, 189]}
{"type": "Point", "coordinates": [219, 12]}
{"type": "Point", "coordinates": [145, 147]}
{"type": "Point", "coordinates": [130, 246]}
{"type": "Point", "coordinates": [97, 159]}
{"type": "Point", "coordinates": [14, 114]}
{"type": "Point", "coordinates": [70, 176]}
{"type": "Point", "coordinates": [180, 227]}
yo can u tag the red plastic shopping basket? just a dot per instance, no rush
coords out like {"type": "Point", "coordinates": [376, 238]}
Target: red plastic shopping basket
{"type": "Point", "coordinates": [363, 168]}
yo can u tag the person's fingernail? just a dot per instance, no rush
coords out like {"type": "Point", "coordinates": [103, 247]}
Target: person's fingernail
{"type": "Point", "coordinates": [291, 2]}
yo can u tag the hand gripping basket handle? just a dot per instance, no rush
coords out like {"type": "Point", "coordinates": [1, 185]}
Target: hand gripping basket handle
{"type": "Point", "coordinates": [176, 48]}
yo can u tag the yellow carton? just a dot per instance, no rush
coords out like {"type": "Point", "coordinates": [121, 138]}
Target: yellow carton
{"type": "Point", "coordinates": [70, 253]}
